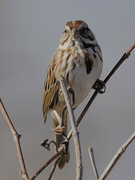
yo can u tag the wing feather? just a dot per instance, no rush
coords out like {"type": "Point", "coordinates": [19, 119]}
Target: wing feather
{"type": "Point", "coordinates": [50, 88]}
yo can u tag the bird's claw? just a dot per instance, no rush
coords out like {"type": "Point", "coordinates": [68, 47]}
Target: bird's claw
{"type": "Point", "coordinates": [100, 86]}
{"type": "Point", "coordinates": [59, 129]}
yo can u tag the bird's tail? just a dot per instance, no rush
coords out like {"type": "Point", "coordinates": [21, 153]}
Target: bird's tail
{"type": "Point", "coordinates": [58, 139]}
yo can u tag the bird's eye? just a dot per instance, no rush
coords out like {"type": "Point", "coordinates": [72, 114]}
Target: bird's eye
{"type": "Point", "coordinates": [84, 30]}
{"type": "Point", "coordinates": [65, 31]}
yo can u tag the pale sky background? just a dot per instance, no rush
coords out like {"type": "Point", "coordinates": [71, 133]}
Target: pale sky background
{"type": "Point", "coordinates": [29, 34]}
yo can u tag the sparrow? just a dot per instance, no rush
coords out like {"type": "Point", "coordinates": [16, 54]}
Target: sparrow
{"type": "Point", "coordinates": [79, 60]}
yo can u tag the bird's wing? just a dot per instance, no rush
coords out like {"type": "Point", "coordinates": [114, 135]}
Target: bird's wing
{"type": "Point", "coordinates": [51, 87]}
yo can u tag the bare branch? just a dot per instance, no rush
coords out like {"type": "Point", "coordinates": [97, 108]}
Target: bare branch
{"type": "Point", "coordinates": [16, 138]}
{"type": "Point", "coordinates": [91, 154]}
{"type": "Point", "coordinates": [123, 58]}
{"type": "Point", "coordinates": [54, 167]}
{"type": "Point", "coordinates": [79, 168]}
{"type": "Point", "coordinates": [113, 161]}
{"type": "Point", "coordinates": [56, 155]}
{"type": "Point", "coordinates": [116, 157]}
{"type": "Point", "coordinates": [130, 49]}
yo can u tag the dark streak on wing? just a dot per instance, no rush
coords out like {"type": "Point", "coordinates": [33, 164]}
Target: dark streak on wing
{"type": "Point", "coordinates": [88, 63]}
{"type": "Point", "coordinates": [94, 55]}
{"type": "Point", "coordinates": [46, 87]}
{"type": "Point", "coordinates": [67, 77]}
{"type": "Point", "coordinates": [55, 100]}
{"type": "Point", "coordinates": [54, 81]}
{"type": "Point", "coordinates": [92, 38]}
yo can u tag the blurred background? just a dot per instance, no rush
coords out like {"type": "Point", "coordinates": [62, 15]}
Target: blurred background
{"type": "Point", "coordinates": [29, 34]}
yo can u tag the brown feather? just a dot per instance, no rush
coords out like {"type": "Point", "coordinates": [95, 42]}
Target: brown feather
{"type": "Point", "coordinates": [50, 88]}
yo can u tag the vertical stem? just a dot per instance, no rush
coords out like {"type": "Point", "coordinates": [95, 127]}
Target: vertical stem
{"type": "Point", "coordinates": [16, 138]}
{"type": "Point", "coordinates": [79, 169]}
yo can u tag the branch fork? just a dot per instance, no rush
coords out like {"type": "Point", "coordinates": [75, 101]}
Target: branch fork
{"type": "Point", "coordinates": [112, 162]}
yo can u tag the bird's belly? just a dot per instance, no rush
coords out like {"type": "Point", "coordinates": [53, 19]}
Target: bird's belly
{"type": "Point", "coordinates": [82, 83]}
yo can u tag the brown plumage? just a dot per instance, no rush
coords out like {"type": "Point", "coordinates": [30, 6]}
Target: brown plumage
{"type": "Point", "coordinates": [79, 59]}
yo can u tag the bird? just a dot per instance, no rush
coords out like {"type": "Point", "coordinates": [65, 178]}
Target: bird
{"type": "Point", "coordinates": [79, 60]}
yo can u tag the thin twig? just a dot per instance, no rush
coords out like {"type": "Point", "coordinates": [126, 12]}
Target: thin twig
{"type": "Point", "coordinates": [130, 49]}
{"type": "Point", "coordinates": [79, 169]}
{"type": "Point", "coordinates": [56, 155]}
{"type": "Point", "coordinates": [116, 157]}
{"type": "Point", "coordinates": [91, 154]}
{"type": "Point", "coordinates": [16, 138]}
{"type": "Point", "coordinates": [54, 167]}
{"type": "Point", "coordinates": [123, 58]}
{"type": "Point", "coordinates": [113, 161]}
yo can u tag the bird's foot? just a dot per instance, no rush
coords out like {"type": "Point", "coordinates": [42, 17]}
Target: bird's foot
{"type": "Point", "coordinates": [59, 129]}
{"type": "Point", "coordinates": [100, 86]}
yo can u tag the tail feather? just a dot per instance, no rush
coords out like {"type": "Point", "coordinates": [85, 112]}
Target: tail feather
{"type": "Point", "coordinates": [58, 139]}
